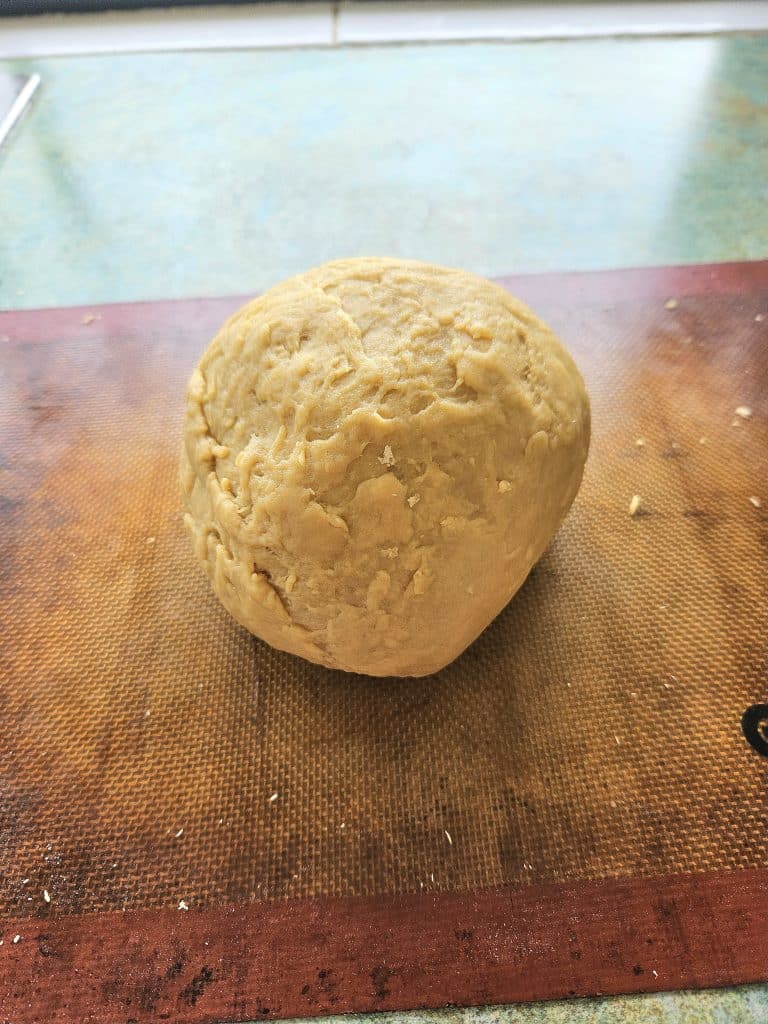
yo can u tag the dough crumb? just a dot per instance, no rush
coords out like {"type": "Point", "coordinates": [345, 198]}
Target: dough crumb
{"type": "Point", "coordinates": [272, 799]}
{"type": "Point", "coordinates": [387, 458]}
{"type": "Point", "coordinates": [744, 412]}
{"type": "Point", "coordinates": [421, 581]}
{"type": "Point", "coordinates": [504, 486]}
{"type": "Point", "coordinates": [150, 540]}
{"type": "Point", "coordinates": [16, 938]}
{"type": "Point", "coordinates": [640, 442]}
{"type": "Point", "coordinates": [756, 501]}
{"type": "Point", "coordinates": [670, 304]}
{"type": "Point", "coordinates": [448, 836]}
{"type": "Point", "coordinates": [390, 552]}
{"type": "Point", "coordinates": [759, 318]}
{"type": "Point", "coordinates": [702, 440]}
{"type": "Point", "coordinates": [46, 896]}
{"type": "Point", "coordinates": [90, 318]}
{"type": "Point", "coordinates": [414, 499]}
{"type": "Point", "coordinates": [183, 905]}
{"type": "Point", "coordinates": [634, 504]}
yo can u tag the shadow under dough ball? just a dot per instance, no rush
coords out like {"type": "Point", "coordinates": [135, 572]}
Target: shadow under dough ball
{"type": "Point", "coordinates": [376, 454]}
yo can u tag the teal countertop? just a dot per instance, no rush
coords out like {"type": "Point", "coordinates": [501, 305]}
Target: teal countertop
{"type": "Point", "coordinates": [747, 1005]}
{"type": "Point", "coordinates": [185, 174]}
{"type": "Point", "coordinates": [166, 175]}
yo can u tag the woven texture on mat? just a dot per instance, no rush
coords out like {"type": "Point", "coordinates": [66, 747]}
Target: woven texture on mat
{"type": "Point", "coordinates": [593, 730]}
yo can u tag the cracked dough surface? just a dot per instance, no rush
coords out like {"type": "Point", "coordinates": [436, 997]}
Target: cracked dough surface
{"type": "Point", "coordinates": [376, 454]}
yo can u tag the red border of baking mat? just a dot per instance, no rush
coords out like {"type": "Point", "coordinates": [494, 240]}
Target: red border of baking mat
{"type": "Point", "coordinates": [594, 285]}
{"type": "Point", "coordinates": [309, 957]}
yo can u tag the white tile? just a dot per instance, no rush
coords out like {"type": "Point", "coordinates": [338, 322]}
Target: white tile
{"type": "Point", "coordinates": [313, 24]}
{"type": "Point", "coordinates": [185, 28]}
{"type": "Point", "coordinates": [373, 22]}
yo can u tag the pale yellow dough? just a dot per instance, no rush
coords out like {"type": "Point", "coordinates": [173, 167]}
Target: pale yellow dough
{"type": "Point", "coordinates": [376, 454]}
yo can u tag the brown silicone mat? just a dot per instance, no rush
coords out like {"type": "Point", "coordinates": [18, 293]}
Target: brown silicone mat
{"type": "Point", "coordinates": [592, 733]}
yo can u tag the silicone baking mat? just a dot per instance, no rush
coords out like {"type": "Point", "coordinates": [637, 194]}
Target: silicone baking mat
{"type": "Point", "coordinates": [197, 828]}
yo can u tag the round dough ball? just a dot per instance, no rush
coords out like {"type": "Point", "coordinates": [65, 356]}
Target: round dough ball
{"type": "Point", "coordinates": [376, 454]}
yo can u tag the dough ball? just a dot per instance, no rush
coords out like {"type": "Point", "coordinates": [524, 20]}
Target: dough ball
{"type": "Point", "coordinates": [376, 454]}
